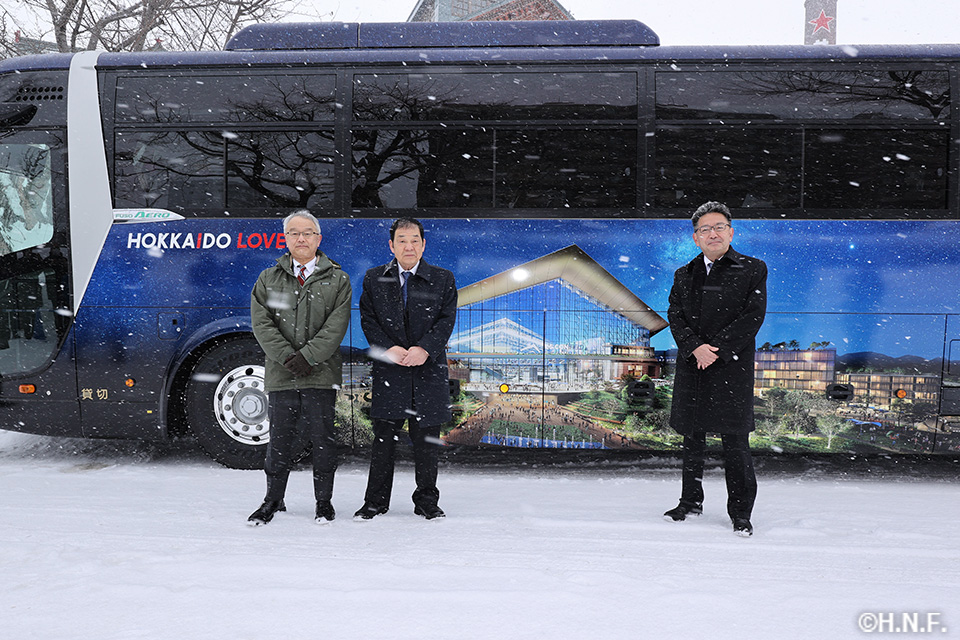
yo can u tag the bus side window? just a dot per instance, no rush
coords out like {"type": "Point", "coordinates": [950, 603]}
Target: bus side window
{"type": "Point", "coordinates": [280, 169]}
{"type": "Point", "coordinates": [415, 143]}
{"type": "Point", "coordinates": [182, 172]}
{"type": "Point", "coordinates": [232, 163]}
{"type": "Point", "coordinates": [894, 169]}
{"type": "Point", "coordinates": [751, 138]}
{"type": "Point", "coordinates": [746, 167]}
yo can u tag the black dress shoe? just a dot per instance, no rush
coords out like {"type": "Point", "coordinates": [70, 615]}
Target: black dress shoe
{"type": "Point", "coordinates": [742, 527]}
{"type": "Point", "coordinates": [325, 513]}
{"type": "Point", "coordinates": [681, 511]}
{"type": "Point", "coordinates": [369, 511]}
{"type": "Point", "coordinates": [265, 513]}
{"type": "Point", "coordinates": [429, 511]}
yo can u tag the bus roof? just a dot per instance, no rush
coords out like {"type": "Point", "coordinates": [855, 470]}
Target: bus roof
{"type": "Point", "coordinates": [493, 55]}
{"type": "Point", "coordinates": [470, 43]}
{"type": "Point", "coordinates": [427, 35]}
{"type": "Point", "coordinates": [39, 62]}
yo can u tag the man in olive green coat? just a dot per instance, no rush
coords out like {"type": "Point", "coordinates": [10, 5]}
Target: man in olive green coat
{"type": "Point", "coordinates": [300, 309]}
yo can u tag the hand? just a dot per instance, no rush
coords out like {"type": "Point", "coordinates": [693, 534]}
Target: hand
{"type": "Point", "coordinates": [416, 356]}
{"type": "Point", "coordinates": [298, 365]}
{"type": "Point", "coordinates": [396, 354]}
{"type": "Point", "coordinates": [706, 355]}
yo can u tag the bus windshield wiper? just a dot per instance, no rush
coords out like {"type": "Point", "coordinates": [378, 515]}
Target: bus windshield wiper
{"type": "Point", "coordinates": [16, 115]}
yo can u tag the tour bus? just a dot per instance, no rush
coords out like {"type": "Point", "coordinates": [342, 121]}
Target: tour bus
{"type": "Point", "coordinates": [555, 166]}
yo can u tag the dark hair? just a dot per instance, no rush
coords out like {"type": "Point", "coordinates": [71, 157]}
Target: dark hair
{"type": "Point", "coordinates": [710, 207]}
{"type": "Point", "coordinates": [405, 222]}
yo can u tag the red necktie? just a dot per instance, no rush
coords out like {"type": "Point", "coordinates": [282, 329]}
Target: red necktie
{"type": "Point", "coordinates": [302, 276]}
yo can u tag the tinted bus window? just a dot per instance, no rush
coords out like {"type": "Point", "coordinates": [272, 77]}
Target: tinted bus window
{"type": "Point", "coordinates": [770, 144]}
{"type": "Point", "coordinates": [169, 170]}
{"type": "Point", "coordinates": [761, 167]}
{"type": "Point", "coordinates": [207, 172]}
{"type": "Point", "coordinates": [280, 170]}
{"type": "Point", "coordinates": [32, 318]}
{"type": "Point", "coordinates": [496, 165]}
{"type": "Point", "coordinates": [792, 95]}
{"type": "Point", "coordinates": [742, 167]}
{"type": "Point", "coordinates": [562, 168]}
{"type": "Point", "coordinates": [33, 98]}
{"type": "Point", "coordinates": [506, 168]}
{"type": "Point", "coordinates": [893, 169]}
{"type": "Point", "coordinates": [435, 168]}
{"type": "Point", "coordinates": [225, 98]}
{"type": "Point", "coordinates": [498, 96]}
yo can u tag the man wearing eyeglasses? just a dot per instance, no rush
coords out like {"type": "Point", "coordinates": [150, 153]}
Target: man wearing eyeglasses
{"type": "Point", "coordinates": [717, 305]}
{"type": "Point", "coordinates": [300, 309]}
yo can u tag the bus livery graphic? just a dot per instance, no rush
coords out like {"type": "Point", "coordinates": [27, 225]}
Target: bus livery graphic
{"type": "Point", "coordinates": [555, 168]}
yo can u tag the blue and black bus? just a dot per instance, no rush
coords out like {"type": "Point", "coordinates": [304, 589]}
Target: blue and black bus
{"type": "Point", "coordinates": [555, 166]}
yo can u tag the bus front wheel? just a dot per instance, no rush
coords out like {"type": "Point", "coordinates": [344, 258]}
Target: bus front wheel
{"type": "Point", "coordinates": [226, 404]}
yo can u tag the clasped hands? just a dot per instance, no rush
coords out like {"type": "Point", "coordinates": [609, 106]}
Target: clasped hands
{"type": "Point", "coordinates": [297, 365]}
{"type": "Point", "coordinates": [706, 355]}
{"type": "Point", "coordinates": [412, 357]}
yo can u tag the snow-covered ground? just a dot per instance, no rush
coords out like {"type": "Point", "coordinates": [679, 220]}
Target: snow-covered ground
{"type": "Point", "coordinates": [104, 540]}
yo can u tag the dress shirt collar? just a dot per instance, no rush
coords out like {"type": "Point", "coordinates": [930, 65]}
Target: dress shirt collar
{"type": "Point", "coordinates": [707, 261]}
{"type": "Point", "coordinates": [310, 267]}
{"type": "Point", "coordinates": [412, 271]}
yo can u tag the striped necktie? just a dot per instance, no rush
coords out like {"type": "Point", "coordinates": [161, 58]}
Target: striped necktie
{"type": "Point", "coordinates": [709, 266]}
{"type": "Point", "coordinates": [302, 276]}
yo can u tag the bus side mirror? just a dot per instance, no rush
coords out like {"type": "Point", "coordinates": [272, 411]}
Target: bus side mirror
{"type": "Point", "coordinates": [836, 391]}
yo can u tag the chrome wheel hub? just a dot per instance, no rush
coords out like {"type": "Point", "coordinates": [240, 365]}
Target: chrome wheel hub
{"type": "Point", "coordinates": [240, 405]}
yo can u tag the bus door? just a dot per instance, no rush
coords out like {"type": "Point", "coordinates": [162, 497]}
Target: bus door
{"type": "Point", "coordinates": [37, 379]}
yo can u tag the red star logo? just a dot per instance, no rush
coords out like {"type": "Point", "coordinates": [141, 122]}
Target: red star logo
{"type": "Point", "coordinates": [823, 22]}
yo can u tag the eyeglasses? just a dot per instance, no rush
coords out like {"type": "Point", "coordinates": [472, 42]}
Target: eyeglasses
{"type": "Point", "coordinates": [296, 234]}
{"type": "Point", "coordinates": [706, 230]}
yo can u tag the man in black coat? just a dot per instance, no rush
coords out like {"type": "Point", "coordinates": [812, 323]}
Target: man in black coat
{"type": "Point", "coordinates": [717, 305]}
{"type": "Point", "coordinates": [407, 311]}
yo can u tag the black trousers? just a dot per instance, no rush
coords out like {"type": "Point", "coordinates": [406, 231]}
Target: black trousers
{"type": "Point", "coordinates": [296, 418]}
{"type": "Point", "coordinates": [426, 453]}
{"type": "Point", "coordinates": [737, 467]}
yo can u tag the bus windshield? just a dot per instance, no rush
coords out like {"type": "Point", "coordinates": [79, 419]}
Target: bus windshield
{"type": "Point", "coordinates": [26, 202]}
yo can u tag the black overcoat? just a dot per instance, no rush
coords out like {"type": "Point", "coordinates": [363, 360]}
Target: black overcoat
{"type": "Point", "coordinates": [724, 309]}
{"type": "Point", "coordinates": [427, 322]}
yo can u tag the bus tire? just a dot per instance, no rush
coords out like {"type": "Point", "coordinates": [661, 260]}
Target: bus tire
{"type": "Point", "coordinates": [226, 404]}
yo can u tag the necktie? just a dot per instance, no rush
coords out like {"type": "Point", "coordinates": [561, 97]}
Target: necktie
{"type": "Point", "coordinates": [709, 266]}
{"type": "Point", "coordinates": [403, 286]}
{"type": "Point", "coordinates": [302, 276]}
